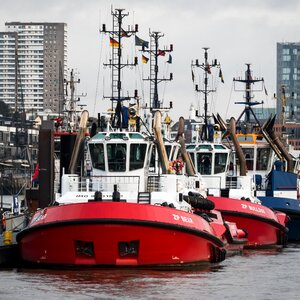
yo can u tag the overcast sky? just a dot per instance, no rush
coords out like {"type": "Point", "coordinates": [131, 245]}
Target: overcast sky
{"type": "Point", "coordinates": [237, 32]}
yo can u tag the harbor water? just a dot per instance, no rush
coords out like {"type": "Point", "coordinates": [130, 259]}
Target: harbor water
{"type": "Point", "coordinates": [256, 274]}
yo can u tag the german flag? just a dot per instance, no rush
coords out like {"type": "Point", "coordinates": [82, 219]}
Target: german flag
{"type": "Point", "coordinates": [144, 59]}
{"type": "Point", "coordinates": [113, 42]}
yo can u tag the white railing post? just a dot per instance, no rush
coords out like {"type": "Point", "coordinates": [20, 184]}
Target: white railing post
{"type": "Point", "coordinates": [87, 185]}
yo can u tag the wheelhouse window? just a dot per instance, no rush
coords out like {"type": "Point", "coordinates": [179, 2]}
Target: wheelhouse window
{"type": "Point", "coordinates": [97, 156]}
{"type": "Point", "coordinates": [168, 150]}
{"type": "Point", "coordinates": [204, 163]}
{"type": "Point", "coordinates": [249, 157]}
{"type": "Point", "coordinates": [262, 159]}
{"type": "Point", "coordinates": [153, 158]}
{"type": "Point", "coordinates": [220, 163]}
{"type": "Point", "coordinates": [116, 157]}
{"type": "Point", "coordinates": [137, 156]}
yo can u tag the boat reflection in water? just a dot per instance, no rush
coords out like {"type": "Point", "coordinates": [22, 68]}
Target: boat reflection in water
{"type": "Point", "coordinates": [234, 277]}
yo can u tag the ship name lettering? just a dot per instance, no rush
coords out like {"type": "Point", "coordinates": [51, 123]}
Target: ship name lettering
{"type": "Point", "coordinates": [183, 219]}
{"type": "Point", "coordinates": [253, 208]}
{"type": "Point", "coordinates": [257, 209]}
{"type": "Point", "coordinates": [176, 217]}
{"type": "Point", "coordinates": [186, 219]}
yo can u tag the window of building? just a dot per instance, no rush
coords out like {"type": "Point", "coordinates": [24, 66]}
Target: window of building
{"type": "Point", "coordinates": [286, 70]}
{"type": "Point", "coordinates": [286, 57]}
{"type": "Point", "coordinates": [285, 77]}
{"type": "Point", "coordinates": [8, 151]}
{"type": "Point", "coordinates": [285, 51]}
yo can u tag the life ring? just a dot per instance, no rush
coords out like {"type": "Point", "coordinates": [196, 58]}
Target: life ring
{"type": "Point", "coordinates": [177, 165]}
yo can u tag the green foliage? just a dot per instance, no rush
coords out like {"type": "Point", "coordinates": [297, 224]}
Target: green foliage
{"type": "Point", "coordinates": [4, 109]}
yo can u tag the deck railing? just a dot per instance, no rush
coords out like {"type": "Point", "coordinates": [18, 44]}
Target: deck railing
{"type": "Point", "coordinates": [107, 183]}
{"type": "Point", "coordinates": [154, 184]}
{"type": "Point", "coordinates": [231, 182]}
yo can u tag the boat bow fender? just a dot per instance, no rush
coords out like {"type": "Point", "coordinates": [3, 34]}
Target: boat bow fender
{"type": "Point", "coordinates": [283, 219]}
{"type": "Point", "coordinates": [218, 228]}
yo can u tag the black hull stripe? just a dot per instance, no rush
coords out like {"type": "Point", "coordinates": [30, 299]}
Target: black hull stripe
{"type": "Point", "coordinates": [215, 240]}
{"type": "Point", "coordinates": [239, 242]}
{"type": "Point", "coordinates": [259, 218]}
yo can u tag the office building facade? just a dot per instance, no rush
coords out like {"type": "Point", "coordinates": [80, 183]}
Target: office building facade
{"type": "Point", "coordinates": [33, 64]}
{"type": "Point", "coordinates": [288, 91]}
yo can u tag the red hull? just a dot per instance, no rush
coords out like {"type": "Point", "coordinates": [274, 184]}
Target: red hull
{"type": "Point", "coordinates": [265, 227]}
{"type": "Point", "coordinates": [118, 234]}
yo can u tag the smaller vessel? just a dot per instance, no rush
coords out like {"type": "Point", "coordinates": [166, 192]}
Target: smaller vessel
{"type": "Point", "coordinates": [232, 192]}
{"type": "Point", "coordinates": [264, 226]}
{"type": "Point", "coordinates": [268, 161]}
{"type": "Point", "coordinates": [11, 222]}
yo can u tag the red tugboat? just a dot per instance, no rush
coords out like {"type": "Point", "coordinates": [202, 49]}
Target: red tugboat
{"type": "Point", "coordinates": [265, 227]}
{"type": "Point", "coordinates": [234, 194]}
{"type": "Point", "coordinates": [129, 210]}
{"type": "Point", "coordinates": [123, 215]}
{"type": "Point", "coordinates": [120, 234]}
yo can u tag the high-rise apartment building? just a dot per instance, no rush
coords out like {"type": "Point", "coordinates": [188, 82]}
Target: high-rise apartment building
{"type": "Point", "coordinates": [8, 68]}
{"type": "Point", "coordinates": [288, 90]}
{"type": "Point", "coordinates": [33, 64]}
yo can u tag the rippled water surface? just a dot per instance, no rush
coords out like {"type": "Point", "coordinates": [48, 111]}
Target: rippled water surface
{"type": "Point", "coordinates": [264, 274]}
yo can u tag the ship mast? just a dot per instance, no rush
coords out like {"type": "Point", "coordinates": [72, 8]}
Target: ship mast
{"type": "Point", "coordinates": [116, 64]}
{"type": "Point", "coordinates": [155, 52]}
{"type": "Point", "coordinates": [206, 67]}
{"type": "Point", "coordinates": [248, 95]}
{"type": "Point", "coordinates": [71, 103]}
{"type": "Point", "coordinates": [19, 116]}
